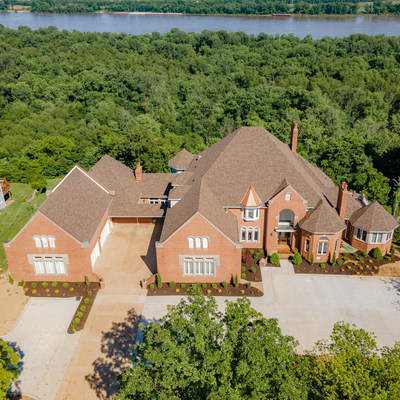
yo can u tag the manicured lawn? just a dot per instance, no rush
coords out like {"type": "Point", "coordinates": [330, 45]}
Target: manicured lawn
{"type": "Point", "coordinates": [16, 215]}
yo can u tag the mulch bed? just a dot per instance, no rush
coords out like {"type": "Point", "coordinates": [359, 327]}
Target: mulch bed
{"type": "Point", "coordinates": [369, 266]}
{"type": "Point", "coordinates": [87, 293]}
{"type": "Point", "coordinates": [230, 290]}
{"type": "Point", "coordinates": [253, 262]}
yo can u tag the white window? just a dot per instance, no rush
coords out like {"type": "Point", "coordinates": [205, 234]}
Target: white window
{"type": "Point", "coordinates": [199, 266]}
{"type": "Point", "coordinates": [205, 243]}
{"type": "Point", "coordinates": [336, 245]}
{"type": "Point", "coordinates": [389, 236]}
{"type": "Point", "coordinates": [50, 267]}
{"type": "Point", "coordinates": [250, 214]}
{"type": "Point", "coordinates": [256, 234]}
{"type": "Point", "coordinates": [361, 235]}
{"type": "Point", "coordinates": [210, 268]}
{"type": "Point", "coordinates": [198, 243]}
{"type": "Point", "coordinates": [250, 234]}
{"type": "Point", "coordinates": [38, 265]}
{"type": "Point", "coordinates": [188, 267]}
{"type": "Point", "coordinates": [38, 242]}
{"type": "Point", "coordinates": [243, 237]}
{"type": "Point", "coordinates": [60, 266]}
{"type": "Point", "coordinates": [286, 217]}
{"type": "Point", "coordinates": [45, 242]}
{"type": "Point", "coordinates": [191, 243]}
{"type": "Point", "coordinates": [323, 246]}
{"type": "Point", "coordinates": [307, 244]}
{"type": "Point", "coordinates": [377, 237]}
{"type": "Point", "coordinates": [52, 242]}
{"type": "Point", "coordinates": [288, 196]}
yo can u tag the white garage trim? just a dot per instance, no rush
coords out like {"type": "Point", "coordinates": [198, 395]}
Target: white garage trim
{"type": "Point", "coordinates": [95, 254]}
{"type": "Point", "coordinates": [104, 233]}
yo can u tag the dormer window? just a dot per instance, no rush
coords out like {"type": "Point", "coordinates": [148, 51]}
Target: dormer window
{"type": "Point", "coordinates": [250, 214]}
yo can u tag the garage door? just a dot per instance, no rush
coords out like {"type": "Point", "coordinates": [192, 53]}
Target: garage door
{"type": "Point", "coordinates": [95, 254]}
{"type": "Point", "coordinates": [104, 234]}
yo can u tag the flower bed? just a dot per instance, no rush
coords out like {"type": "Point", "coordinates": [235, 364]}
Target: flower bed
{"type": "Point", "coordinates": [349, 264]}
{"type": "Point", "coordinates": [178, 289]}
{"type": "Point", "coordinates": [251, 264]}
{"type": "Point", "coordinates": [87, 293]}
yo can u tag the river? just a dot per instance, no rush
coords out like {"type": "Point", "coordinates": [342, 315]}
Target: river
{"type": "Point", "coordinates": [316, 26]}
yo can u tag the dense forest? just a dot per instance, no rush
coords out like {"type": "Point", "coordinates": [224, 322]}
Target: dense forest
{"type": "Point", "coordinates": [69, 98]}
{"type": "Point", "coordinates": [229, 7]}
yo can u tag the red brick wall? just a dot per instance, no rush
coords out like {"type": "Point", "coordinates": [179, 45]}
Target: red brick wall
{"type": "Point", "coordinates": [168, 255]}
{"type": "Point", "coordinates": [24, 244]}
{"type": "Point", "coordinates": [314, 239]}
{"type": "Point", "coordinates": [260, 223]}
{"type": "Point", "coordinates": [275, 206]}
{"type": "Point", "coordinates": [367, 247]}
{"type": "Point", "coordinates": [132, 220]}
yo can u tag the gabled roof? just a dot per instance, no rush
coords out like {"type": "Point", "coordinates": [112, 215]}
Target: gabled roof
{"type": "Point", "coordinates": [251, 199]}
{"type": "Point", "coordinates": [77, 204]}
{"type": "Point", "coordinates": [200, 199]}
{"type": "Point", "coordinates": [373, 217]}
{"type": "Point", "coordinates": [322, 219]}
{"type": "Point", "coordinates": [182, 160]}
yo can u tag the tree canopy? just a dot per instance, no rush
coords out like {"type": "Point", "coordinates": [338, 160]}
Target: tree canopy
{"type": "Point", "coordinates": [8, 368]}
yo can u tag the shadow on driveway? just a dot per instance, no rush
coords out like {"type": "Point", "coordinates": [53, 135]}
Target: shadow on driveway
{"type": "Point", "coordinates": [393, 284]}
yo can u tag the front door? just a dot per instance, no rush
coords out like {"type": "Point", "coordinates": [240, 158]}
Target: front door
{"type": "Point", "coordinates": [284, 238]}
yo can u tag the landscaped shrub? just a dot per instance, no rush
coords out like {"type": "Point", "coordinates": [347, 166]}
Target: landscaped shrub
{"type": "Point", "coordinates": [89, 293]}
{"type": "Point", "coordinates": [255, 255]}
{"type": "Point", "coordinates": [77, 320]}
{"type": "Point", "coordinates": [377, 254]}
{"type": "Point", "coordinates": [392, 249]}
{"type": "Point", "coordinates": [65, 284]}
{"type": "Point", "coordinates": [248, 284]}
{"type": "Point", "coordinates": [183, 285]}
{"type": "Point", "coordinates": [243, 269]}
{"type": "Point", "coordinates": [72, 326]}
{"type": "Point", "coordinates": [364, 254]}
{"type": "Point", "coordinates": [295, 250]}
{"type": "Point", "coordinates": [33, 284]}
{"type": "Point", "coordinates": [214, 285]}
{"type": "Point", "coordinates": [151, 286]}
{"type": "Point", "coordinates": [79, 314]}
{"type": "Point", "coordinates": [246, 256]}
{"type": "Point", "coordinates": [204, 285]}
{"type": "Point", "coordinates": [243, 250]}
{"type": "Point", "coordinates": [236, 281]}
{"type": "Point", "coordinates": [333, 262]}
{"type": "Point", "coordinates": [253, 270]}
{"type": "Point", "coordinates": [274, 259]}
{"type": "Point", "coordinates": [388, 258]}
{"type": "Point", "coordinates": [361, 259]}
{"type": "Point", "coordinates": [54, 284]}
{"type": "Point", "coordinates": [312, 259]}
{"type": "Point", "coordinates": [340, 262]}
{"type": "Point", "coordinates": [355, 254]}
{"type": "Point", "coordinates": [82, 308]}
{"type": "Point", "coordinates": [45, 284]}
{"type": "Point", "coordinates": [86, 300]}
{"type": "Point", "coordinates": [251, 251]}
{"type": "Point", "coordinates": [346, 258]}
{"type": "Point", "coordinates": [224, 284]}
{"type": "Point", "coordinates": [78, 283]}
{"type": "Point", "coordinates": [296, 258]}
{"type": "Point", "coordinates": [344, 254]}
{"type": "Point", "coordinates": [171, 284]}
{"type": "Point", "coordinates": [243, 275]}
{"type": "Point", "coordinates": [87, 281]}
{"type": "Point", "coordinates": [21, 283]}
{"type": "Point", "coordinates": [322, 265]}
{"type": "Point", "coordinates": [158, 280]}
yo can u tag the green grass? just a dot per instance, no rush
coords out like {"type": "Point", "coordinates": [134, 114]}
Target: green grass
{"type": "Point", "coordinates": [17, 214]}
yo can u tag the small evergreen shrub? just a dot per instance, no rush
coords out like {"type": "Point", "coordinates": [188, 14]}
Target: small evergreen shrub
{"type": "Point", "coordinates": [86, 300]}
{"type": "Point", "coordinates": [89, 293]}
{"type": "Point", "coordinates": [236, 281]}
{"type": "Point", "coordinates": [355, 254]}
{"type": "Point", "coordinates": [77, 320]}
{"type": "Point", "coordinates": [21, 283]}
{"type": "Point", "coordinates": [364, 254]}
{"type": "Point", "coordinates": [33, 284]}
{"type": "Point", "coordinates": [79, 314]}
{"type": "Point", "coordinates": [253, 270]}
{"type": "Point", "coordinates": [171, 284]}
{"type": "Point", "coordinates": [388, 258]}
{"type": "Point", "coordinates": [344, 254]}
{"type": "Point", "coordinates": [65, 284]}
{"type": "Point", "coordinates": [10, 280]}
{"type": "Point", "coordinates": [312, 259]}
{"type": "Point", "coordinates": [183, 285]}
{"type": "Point", "coordinates": [255, 255]}
{"type": "Point", "coordinates": [346, 258]}
{"type": "Point", "coordinates": [54, 284]}
{"type": "Point", "coordinates": [78, 283]}
{"type": "Point", "coordinates": [248, 284]}
{"type": "Point", "coordinates": [87, 281]}
{"type": "Point", "coordinates": [361, 259]}
{"type": "Point", "coordinates": [243, 250]}
{"type": "Point", "coordinates": [295, 250]}
{"type": "Point", "coordinates": [243, 269]}
{"type": "Point", "coordinates": [224, 284]}
{"type": "Point", "coordinates": [45, 284]}
{"type": "Point", "coordinates": [392, 249]}
{"type": "Point", "coordinates": [377, 254]}
{"type": "Point", "coordinates": [82, 308]}
{"type": "Point", "coordinates": [214, 285]}
{"type": "Point", "coordinates": [274, 259]}
{"type": "Point", "coordinates": [296, 258]}
{"type": "Point", "coordinates": [151, 286]}
{"type": "Point", "coordinates": [204, 285]}
{"type": "Point", "coordinates": [333, 262]}
{"type": "Point", "coordinates": [243, 275]}
{"type": "Point", "coordinates": [322, 266]}
{"type": "Point", "coordinates": [251, 251]}
{"type": "Point", "coordinates": [158, 280]}
{"type": "Point", "coordinates": [339, 262]}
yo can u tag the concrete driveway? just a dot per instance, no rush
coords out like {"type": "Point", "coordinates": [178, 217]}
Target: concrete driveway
{"type": "Point", "coordinates": [307, 306]}
{"type": "Point", "coordinates": [40, 336]}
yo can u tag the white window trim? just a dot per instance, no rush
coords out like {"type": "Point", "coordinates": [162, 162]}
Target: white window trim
{"type": "Point", "coordinates": [49, 258]}
{"type": "Point", "coordinates": [198, 242]}
{"type": "Point", "coordinates": [325, 245]}
{"type": "Point", "coordinates": [38, 242]}
{"type": "Point", "coordinates": [245, 213]}
{"type": "Point", "coordinates": [307, 241]}
{"type": "Point", "coordinates": [247, 230]}
{"type": "Point", "coordinates": [376, 237]}
{"type": "Point", "coordinates": [52, 242]}
{"type": "Point", "coordinates": [191, 242]}
{"type": "Point", "coordinates": [199, 259]}
{"type": "Point", "coordinates": [288, 196]}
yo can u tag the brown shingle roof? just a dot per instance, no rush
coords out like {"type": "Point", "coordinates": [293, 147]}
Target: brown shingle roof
{"type": "Point", "coordinates": [117, 177]}
{"type": "Point", "coordinates": [373, 217]}
{"type": "Point", "coordinates": [181, 160]}
{"type": "Point", "coordinates": [323, 218]}
{"type": "Point", "coordinates": [177, 193]}
{"type": "Point", "coordinates": [77, 205]}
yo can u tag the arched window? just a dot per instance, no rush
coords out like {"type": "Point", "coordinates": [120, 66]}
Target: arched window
{"type": "Point", "coordinates": [286, 217]}
{"type": "Point", "coordinates": [198, 243]}
{"type": "Point", "coordinates": [323, 246]}
{"type": "Point", "coordinates": [205, 243]}
{"type": "Point", "coordinates": [191, 243]}
{"type": "Point", "coordinates": [52, 242]}
{"type": "Point", "coordinates": [45, 242]}
{"type": "Point", "coordinates": [243, 234]}
{"type": "Point", "coordinates": [256, 234]}
{"type": "Point", "coordinates": [38, 242]}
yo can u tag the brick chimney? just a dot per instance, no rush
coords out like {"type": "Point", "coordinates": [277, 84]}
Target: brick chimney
{"type": "Point", "coordinates": [138, 172]}
{"type": "Point", "coordinates": [342, 200]}
{"type": "Point", "coordinates": [294, 137]}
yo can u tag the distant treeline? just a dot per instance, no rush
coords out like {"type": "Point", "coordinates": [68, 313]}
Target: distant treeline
{"type": "Point", "coordinates": [230, 7]}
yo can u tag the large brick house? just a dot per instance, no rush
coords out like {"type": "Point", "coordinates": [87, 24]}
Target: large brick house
{"type": "Point", "coordinates": [249, 190]}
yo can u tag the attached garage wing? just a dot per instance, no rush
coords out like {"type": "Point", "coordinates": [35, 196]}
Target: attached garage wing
{"type": "Point", "coordinates": [95, 254]}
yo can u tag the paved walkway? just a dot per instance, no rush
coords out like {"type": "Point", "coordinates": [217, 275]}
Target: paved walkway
{"type": "Point", "coordinates": [40, 337]}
